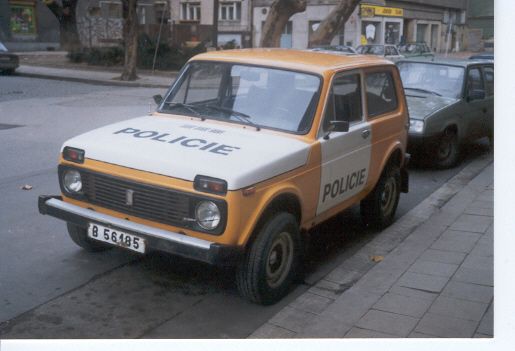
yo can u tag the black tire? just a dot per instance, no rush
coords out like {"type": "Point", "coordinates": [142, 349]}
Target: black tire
{"type": "Point", "coordinates": [269, 266]}
{"type": "Point", "coordinates": [378, 208]}
{"type": "Point", "coordinates": [447, 150]}
{"type": "Point", "coordinates": [79, 237]}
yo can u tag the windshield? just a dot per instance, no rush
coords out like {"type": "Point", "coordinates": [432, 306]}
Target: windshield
{"type": "Point", "coordinates": [371, 50]}
{"type": "Point", "coordinates": [260, 96]}
{"type": "Point", "coordinates": [2, 47]}
{"type": "Point", "coordinates": [434, 78]}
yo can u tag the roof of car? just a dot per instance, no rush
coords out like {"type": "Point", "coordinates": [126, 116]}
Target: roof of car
{"type": "Point", "coordinates": [301, 60]}
{"type": "Point", "coordinates": [446, 61]}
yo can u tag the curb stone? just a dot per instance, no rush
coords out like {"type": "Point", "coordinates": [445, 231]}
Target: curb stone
{"type": "Point", "coordinates": [106, 82]}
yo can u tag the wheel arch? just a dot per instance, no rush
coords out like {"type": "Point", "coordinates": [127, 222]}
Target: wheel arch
{"type": "Point", "coordinates": [285, 201]}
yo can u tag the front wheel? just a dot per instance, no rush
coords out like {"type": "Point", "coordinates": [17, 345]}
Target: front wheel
{"type": "Point", "coordinates": [447, 150]}
{"type": "Point", "coordinates": [269, 266]}
{"type": "Point", "coordinates": [378, 208]}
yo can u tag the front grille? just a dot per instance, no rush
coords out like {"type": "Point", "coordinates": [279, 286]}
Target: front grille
{"type": "Point", "coordinates": [149, 202]}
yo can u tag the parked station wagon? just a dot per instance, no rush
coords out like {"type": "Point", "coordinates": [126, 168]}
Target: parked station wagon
{"type": "Point", "coordinates": [248, 151]}
{"type": "Point", "coordinates": [450, 102]}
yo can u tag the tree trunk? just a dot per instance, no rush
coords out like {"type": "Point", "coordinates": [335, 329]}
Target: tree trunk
{"type": "Point", "coordinates": [66, 15]}
{"type": "Point", "coordinates": [280, 13]}
{"type": "Point", "coordinates": [330, 26]}
{"type": "Point", "coordinates": [130, 39]}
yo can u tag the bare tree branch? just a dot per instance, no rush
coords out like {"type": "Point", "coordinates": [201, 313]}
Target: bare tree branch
{"type": "Point", "coordinates": [280, 13]}
{"type": "Point", "coordinates": [330, 26]}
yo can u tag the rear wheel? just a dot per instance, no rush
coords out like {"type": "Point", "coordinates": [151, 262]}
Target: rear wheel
{"type": "Point", "coordinates": [447, 149]}
{"type": "Point", "coordinates": [80, 237]}
{"type": "Point", "coordinates": [268, 269]}
{"type": "Point", "coordinates": [378, 208]}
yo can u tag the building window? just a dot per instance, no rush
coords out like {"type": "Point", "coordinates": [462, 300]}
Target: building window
{"type": "Point", "coordinates": [190, 11]}
{"type": "Point", "coordinates": [229, 11]}
{"type": "Point", "coordinates": [23, 19]}
{"type": "Point", "coordinates": [162, 13]}
{"type": "Point", "coordinates": [111, 9]}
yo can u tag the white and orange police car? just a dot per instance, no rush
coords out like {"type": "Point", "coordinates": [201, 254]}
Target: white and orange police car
{"type": "Point", "coordinates": [248, 150]}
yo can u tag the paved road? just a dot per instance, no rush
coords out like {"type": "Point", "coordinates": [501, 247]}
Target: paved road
{"type": "Point", "coordinates": [49, 288]}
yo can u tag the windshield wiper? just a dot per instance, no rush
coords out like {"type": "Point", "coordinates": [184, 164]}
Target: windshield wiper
{"type": "Point", "coordinates": [242, 117]}
{"type": "Point", "coordinates": [191, 108]}
{"type": "Point", "coordinates": [424, 91]}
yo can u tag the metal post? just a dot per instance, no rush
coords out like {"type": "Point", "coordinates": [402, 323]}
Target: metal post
{"type": "Point", "coordinates": [215, 23]}
{"type": "Point", "coordinates": [158, 38]}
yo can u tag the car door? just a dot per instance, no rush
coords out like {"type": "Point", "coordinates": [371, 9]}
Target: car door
{"type": "Point", "coordinates": [345, 155]}
{"type": "Point", "coordinates": [488, 110]}
{"type": "Point", "coordinates": [386, 115]}
{"type": "Point", "coordinates": [475, 104]}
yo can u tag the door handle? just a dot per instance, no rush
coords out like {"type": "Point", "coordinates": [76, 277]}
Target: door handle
{"type": "Point", "coordinates": [365, 134]}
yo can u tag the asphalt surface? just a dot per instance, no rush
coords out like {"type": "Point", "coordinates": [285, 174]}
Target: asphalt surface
{"type": "Point", "coordinates": [50, 288]}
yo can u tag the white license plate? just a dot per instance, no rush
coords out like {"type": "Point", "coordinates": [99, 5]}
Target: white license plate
{"type": "Point", "coordinates": [116, 237]}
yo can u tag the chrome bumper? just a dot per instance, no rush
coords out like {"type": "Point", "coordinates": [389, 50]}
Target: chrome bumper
{"type": "Point", "coordinates": [158, 239]}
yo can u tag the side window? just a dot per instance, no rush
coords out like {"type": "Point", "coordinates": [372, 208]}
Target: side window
{"type": "Point", "coordinates": [380, 91]}
{"type": "Point", "coordinates": [344, 102]}
{"type": "Point", "coordinates": [474, 81]}
{"type": "Point", "coordinates": [488, 72]}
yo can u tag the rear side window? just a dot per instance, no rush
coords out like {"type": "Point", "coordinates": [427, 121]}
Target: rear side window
{"type": "Point", "coordinates": [489, 80]}
{"type": "Point", "coordinates": [380, 91]}
{"type": "Point", "coordinates": [474, 81]}
{"type": "Point", "coordinates": [344, 100]}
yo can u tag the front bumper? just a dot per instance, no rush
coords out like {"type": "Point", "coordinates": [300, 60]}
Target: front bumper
{"type": "Point", "coordinates": [157, 239]}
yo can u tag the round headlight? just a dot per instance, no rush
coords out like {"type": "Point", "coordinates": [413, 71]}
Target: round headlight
{"type": "Point", "coordinates": [72, 181]}
{"type": "Point", "coordinates": [208, 215]}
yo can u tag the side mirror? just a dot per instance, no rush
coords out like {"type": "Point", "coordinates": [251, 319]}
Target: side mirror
{"type": "Point", "coordinates": [339, 126]}
{"type": "Point", "coordinates": [477, 94]}
{"type": "Point", "coordinates": [158, 99]}
{"type": "Point", "coordinates": [336, 126]}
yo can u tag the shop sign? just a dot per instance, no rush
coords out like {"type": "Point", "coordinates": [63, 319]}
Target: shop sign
{"type": "Point", "coordinates": [22, 19]}
{"type": "Point", "coordinates": [372, 10]}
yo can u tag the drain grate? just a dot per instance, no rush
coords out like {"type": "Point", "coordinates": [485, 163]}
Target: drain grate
{"type": "Point", "coordinates": [9, 126]}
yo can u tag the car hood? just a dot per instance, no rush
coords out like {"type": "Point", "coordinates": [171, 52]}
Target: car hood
{"type": "Point", "coordinates": [421, 106]}
{"type": "Point", "coordinates": [185, 148]}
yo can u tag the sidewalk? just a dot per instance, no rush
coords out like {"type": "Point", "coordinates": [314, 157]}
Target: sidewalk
{"type": "Point", "coordinates": [55, 65]}
{"type": "Point", "coordinates": [428, 275]}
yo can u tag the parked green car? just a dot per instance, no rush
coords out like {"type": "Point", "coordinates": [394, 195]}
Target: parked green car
{"type": "Point", "coordinates": [450, 102]}
{"type": "Point", "coordinates": [409, 50]}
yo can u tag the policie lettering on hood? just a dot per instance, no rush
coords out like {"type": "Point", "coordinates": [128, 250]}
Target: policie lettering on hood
{"type": "Point", "coordinates": [200, 144]}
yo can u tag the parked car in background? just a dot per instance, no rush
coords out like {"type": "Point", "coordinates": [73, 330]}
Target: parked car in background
{"type": "Point", "coordinates": [415, 50]}
{"type": "Point", "coordinates": [339, 49]}
{"type": "Point", "coordinates": [388, 51]}
{"type": "Point", "coordinates": [8, 61]}
{"type": "Point", "coordinates": [483, 56]}
{"type": "Point", "coordinates": [450, 102]}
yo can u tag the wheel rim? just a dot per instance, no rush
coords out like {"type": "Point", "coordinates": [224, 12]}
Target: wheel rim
{"type": "Point", "coordinates": [388, 196]}
{"type": "Point", "coordinates": [444, 149]}
{"type": "Point", "coordinates": [279, 260]}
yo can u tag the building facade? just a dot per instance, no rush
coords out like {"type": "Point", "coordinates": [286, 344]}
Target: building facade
{"type": "Point", "coordinates": [28, 25]}
{"type": "Point", "coordinates": [100, 22]}
{"type": "Point", "coordinates": [193, 20]}
{"type": "Point", "coordinates": [439, 23]}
